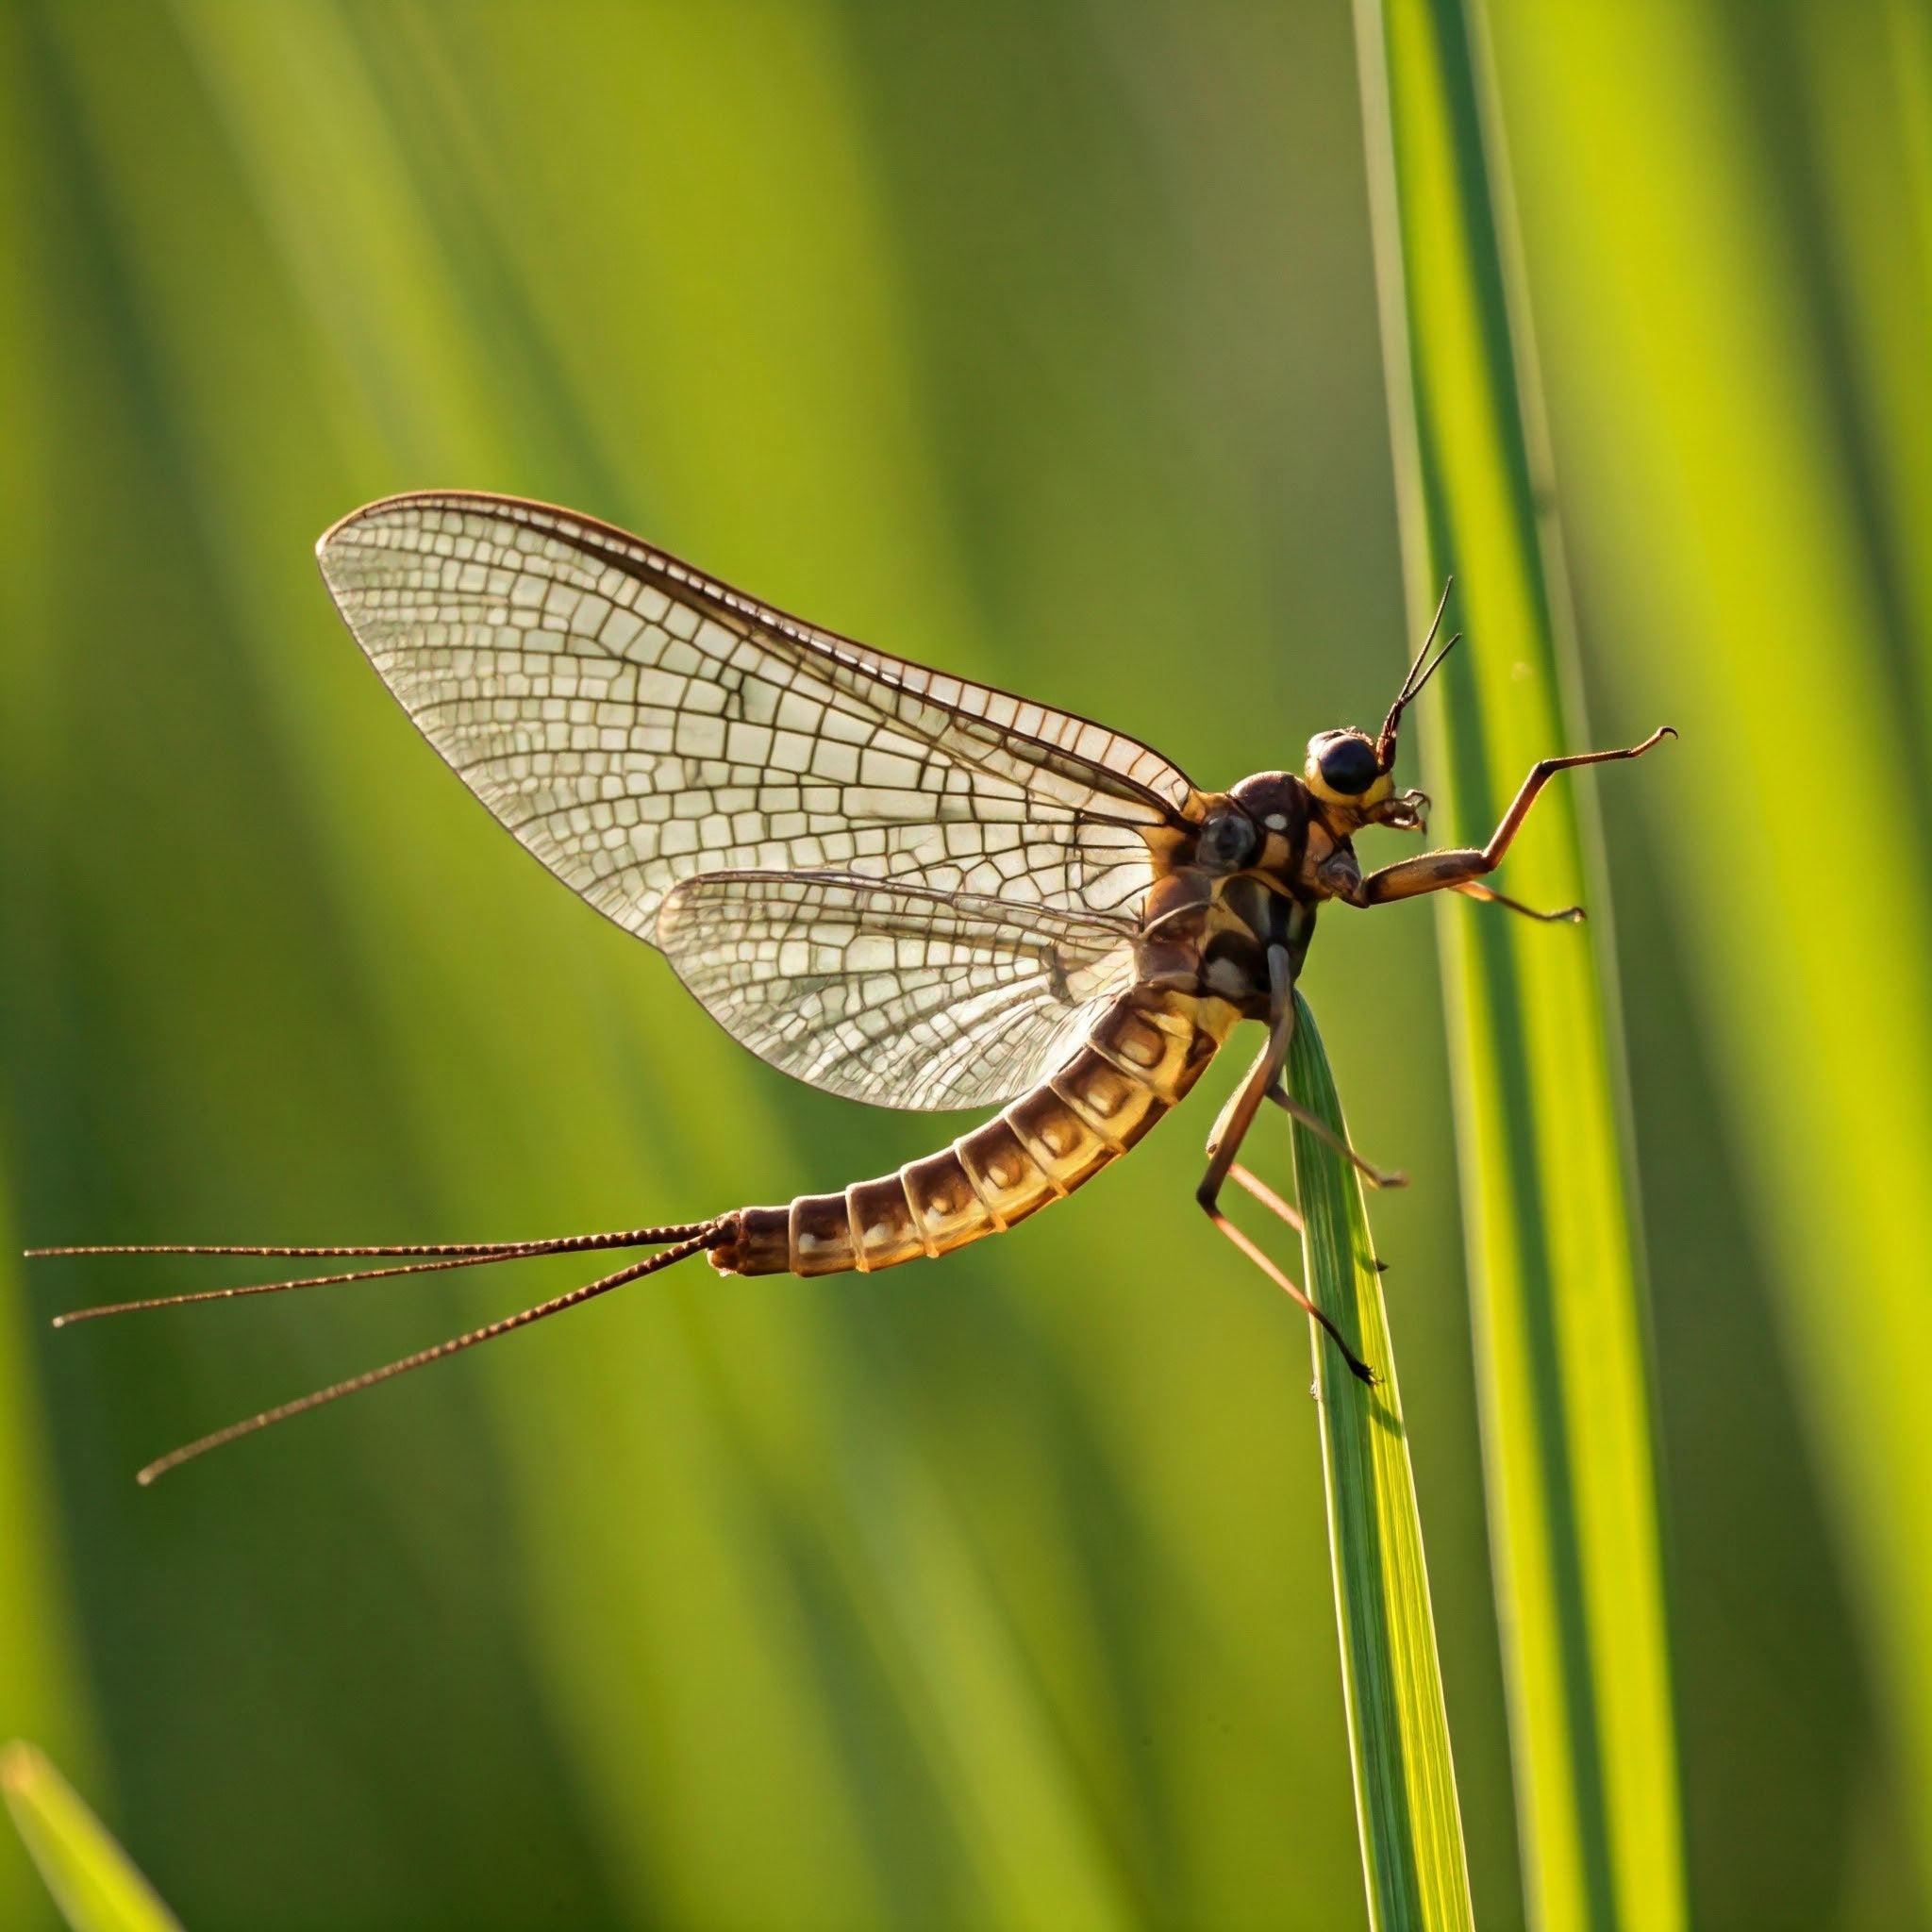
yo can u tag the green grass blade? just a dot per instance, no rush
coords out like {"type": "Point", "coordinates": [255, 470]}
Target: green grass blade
{"type": "Point", "coordinates": [93, 1881]}
{"type": "Point", "coordinates": [41, 1688]}
{"type": "Point", "coordinates": [1405, 1776]}
{"type": "Point", "coordinates": [1743, 386]}
{"type": "Point", "coordinates": [1553, 1259]}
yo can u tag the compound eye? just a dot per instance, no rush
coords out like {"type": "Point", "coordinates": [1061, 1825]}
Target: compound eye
{"type": "Point", "coordinates": [1349, 766]}
{"type": "Point", "coordinates": [1226, 841]}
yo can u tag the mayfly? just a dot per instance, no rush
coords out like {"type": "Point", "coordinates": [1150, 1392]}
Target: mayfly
{"type": "Point", "coordinates": [890, 882]}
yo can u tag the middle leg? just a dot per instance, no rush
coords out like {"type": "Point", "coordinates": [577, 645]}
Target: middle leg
{"type": "Point", "coordinates": [1375, 1176]}
{"type": "Point", "coordinates": [1231, 1129]}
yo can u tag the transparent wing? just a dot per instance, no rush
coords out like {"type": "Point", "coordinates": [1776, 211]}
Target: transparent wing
{"type": "Point", "coordinates": [635, 724]}
{"type": "Point", "coordinates": [894, 993]}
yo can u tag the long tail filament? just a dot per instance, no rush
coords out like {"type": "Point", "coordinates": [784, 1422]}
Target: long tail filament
{"type": "Point", "coordinates": [684, 1239]}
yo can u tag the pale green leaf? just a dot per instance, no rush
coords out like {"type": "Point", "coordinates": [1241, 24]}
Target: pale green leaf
{"type": "Point", "coordinates": [93, 1881]}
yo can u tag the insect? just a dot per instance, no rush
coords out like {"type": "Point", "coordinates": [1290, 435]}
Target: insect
{"type": "Point", "coordinates": [892, 883]}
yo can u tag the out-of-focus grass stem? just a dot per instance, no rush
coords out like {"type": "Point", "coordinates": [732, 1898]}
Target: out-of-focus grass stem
{"type": "Point", "coordinates": [93, 1881]}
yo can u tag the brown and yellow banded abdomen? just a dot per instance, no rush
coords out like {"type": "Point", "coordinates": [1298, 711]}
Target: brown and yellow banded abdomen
{"type": "Point", "coordinates": [1141, 1056]}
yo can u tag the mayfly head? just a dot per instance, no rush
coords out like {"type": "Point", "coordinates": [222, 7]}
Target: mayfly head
{"type": "Point", "coordinates": [1345, 771]}
{"type": "Point", "coordinates": [1352, 786]}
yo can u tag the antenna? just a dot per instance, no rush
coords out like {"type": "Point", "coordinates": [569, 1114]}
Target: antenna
{"type": "Point", "coordinates": [1418, 675]}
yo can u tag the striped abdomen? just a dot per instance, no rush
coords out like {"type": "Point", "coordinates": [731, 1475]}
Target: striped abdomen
{"type": "Point", "coordinates": [1142, 1055]}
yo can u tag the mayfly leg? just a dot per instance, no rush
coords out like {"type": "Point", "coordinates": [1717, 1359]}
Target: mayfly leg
{"type": "Point", "coordinates": [1244, 1178]}
{"type": "Point", "coordinates": [1375, 1176]}
{"type": "Point", "coordinates": [1231, 1129]}
{"type": "Point", "coordinates": [1241, 1177]}
{"type": "Point", "coordinates": [1453, 869]}
{"type": "Point", "coordinates": [1563, 915]}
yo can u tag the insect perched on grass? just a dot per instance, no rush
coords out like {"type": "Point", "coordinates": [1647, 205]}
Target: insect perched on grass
{"type": "Point", "coordinates": [894, 884]}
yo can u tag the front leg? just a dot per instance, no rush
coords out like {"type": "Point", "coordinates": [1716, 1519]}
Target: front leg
{"type": "Point", "coordinates": [1436, 872]}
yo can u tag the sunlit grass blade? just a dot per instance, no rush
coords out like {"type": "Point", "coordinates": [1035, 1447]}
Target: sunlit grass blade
{"type": "Point", "coordinates": [1405, 1776]}
{"type": "Point", "coordinates": [41, 1688]}
{"type": "Point", "coordinates": [1536, 1058]}
{"type": "Point", "coordinates": [93, 1881]}
{"type": "Point", "coordinates": [1745, 386]}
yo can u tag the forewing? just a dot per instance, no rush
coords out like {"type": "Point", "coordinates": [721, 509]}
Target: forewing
{"type": "Point", "coordinates": [891, 993]}
{"type": "Point", "coordinates": [635, 722]}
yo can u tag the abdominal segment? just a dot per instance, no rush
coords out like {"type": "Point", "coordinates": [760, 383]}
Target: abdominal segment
{"type": "Point", "coordinates": [1142, 1055]}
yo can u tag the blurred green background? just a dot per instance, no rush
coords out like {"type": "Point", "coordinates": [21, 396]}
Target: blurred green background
{"type": "Point", "coordinates": [1038, 342]}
